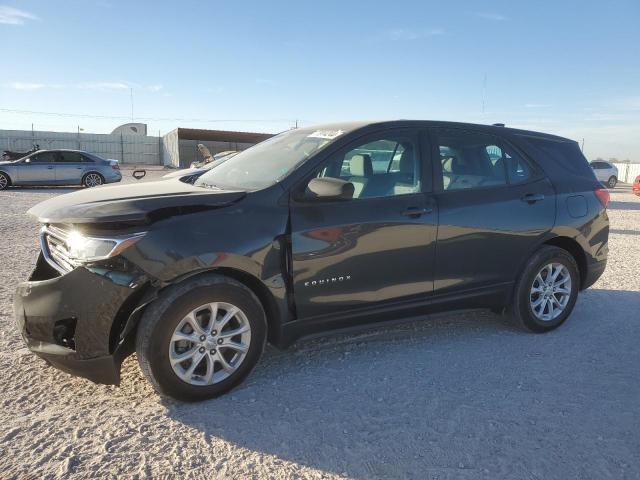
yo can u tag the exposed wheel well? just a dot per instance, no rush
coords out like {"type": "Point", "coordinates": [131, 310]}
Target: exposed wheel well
{"type": "Point", "coordinates": [574, 248]}
{"type": "Point", "coordinates": [263, 294]}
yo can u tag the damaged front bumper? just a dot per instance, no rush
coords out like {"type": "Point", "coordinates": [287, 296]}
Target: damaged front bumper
{"type": "Point", "coordinates": [78, 321]}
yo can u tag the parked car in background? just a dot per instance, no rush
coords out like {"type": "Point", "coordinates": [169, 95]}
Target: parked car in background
{"type": "Point", "coordinates": [300, 234]}
{"type": "Point", "coordinates": [636, 186]}
{"type": "Point", "coordinates": [59, 167]}
{"type": "Point", "coordinates": [209, 158]}
{"type": "Point", "coordinates": [190, 175]}
{"type": "Point", "coordinates": [605, 172]}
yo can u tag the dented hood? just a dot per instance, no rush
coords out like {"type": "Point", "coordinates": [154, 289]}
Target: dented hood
{"type": "Point", "coordinates": [135, 202]}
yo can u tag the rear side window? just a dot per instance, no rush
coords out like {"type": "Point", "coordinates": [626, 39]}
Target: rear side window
{"type": "Point", "coordinates": [470, 160]}
{"type": "Point", "coordinates": [69, 157]}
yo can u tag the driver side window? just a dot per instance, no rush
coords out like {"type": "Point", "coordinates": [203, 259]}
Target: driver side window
{"type": "Point", "coordinates": [382, 166]}
{"type": "Point", "coordinates": [44, 157]}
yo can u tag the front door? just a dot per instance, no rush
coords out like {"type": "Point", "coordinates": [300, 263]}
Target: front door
{"type": "Point", "coordinates": [375, 248]}
{"type": "Point", "coordinates": [494, 207]}
{"type": "Point", "coordinates": [38, 169]}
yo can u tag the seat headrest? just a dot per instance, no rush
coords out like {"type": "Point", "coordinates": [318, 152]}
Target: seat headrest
{"type": "Point", "coordinates": [361, 166]}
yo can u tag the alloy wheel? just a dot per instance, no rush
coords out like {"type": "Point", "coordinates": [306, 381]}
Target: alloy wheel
{"type": "Point", "coordinates": [3, 182]}
{"type": "Point", "coordinates": [209, 344]}
{"type": "Point", "coordinates": [93, 180]}
{"type": "Point", "coordinates": [550, 291]}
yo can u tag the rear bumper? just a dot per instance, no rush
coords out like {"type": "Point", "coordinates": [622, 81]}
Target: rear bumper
{"type": "Point", "coordinates": [73, 321]}
{"type": "Point", "coordinates": [113, 178]}
{"type": "Point", "coordinates": [594, 272]}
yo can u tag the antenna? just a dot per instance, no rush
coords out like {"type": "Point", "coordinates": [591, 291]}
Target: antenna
{"type": "Point", "coordinates": [484, 92]}
{"type": "Point", "coordinates": [131, 90]}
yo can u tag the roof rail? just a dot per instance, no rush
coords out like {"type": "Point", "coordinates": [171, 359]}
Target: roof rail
{"type": "Point", "coordinates": [498, 124]}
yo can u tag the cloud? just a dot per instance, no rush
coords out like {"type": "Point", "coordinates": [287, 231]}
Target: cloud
{"type": "Point", "coordinates": [537, 105]}
{"type": "Point", "coordinates": [492, 16]}
{"type": "Point", "coordinates": [103, 86]}
{"type": "Point", "coordinates": [97, 86]}
{"type": "Point", "coordinates": [411, 34]}
{"type": "Point", "coordinates": [24, 86]}
{"type": "Point", "coordinates": [13, 16]}
{"type": "Point", "coordinates": [265, 81]}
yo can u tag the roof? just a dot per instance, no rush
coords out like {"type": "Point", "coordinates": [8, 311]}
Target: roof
{"type": "Point", "coordinates": [349, 126]}
{"type": "Point", "coordinates": [221, 135]}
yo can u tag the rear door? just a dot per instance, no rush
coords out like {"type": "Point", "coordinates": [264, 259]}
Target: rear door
{"type": "Point", "coordinates": [38, 169]}
{"type": "Point", "coordinates": [69, 168]}
{"type": "Point", "coordinates": [494, 206]}
{"type": "Point", "coordinates": [376, 248]}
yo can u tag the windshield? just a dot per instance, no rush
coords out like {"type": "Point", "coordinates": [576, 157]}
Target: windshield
{"type": "Point", "coordinates": [267, 162]}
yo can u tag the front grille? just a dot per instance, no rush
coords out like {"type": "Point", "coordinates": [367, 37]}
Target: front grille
{"type": "Point", "coordinates": [55, 248]}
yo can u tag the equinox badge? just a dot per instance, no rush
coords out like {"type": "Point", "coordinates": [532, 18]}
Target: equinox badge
{"type": "Point", "coordinates": [327, 281]}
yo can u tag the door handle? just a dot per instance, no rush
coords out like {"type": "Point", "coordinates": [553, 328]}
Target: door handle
{"type": "Point", "coordinates": [50, 167]}
{"type": "Point", "coordinates": [416, 211]}
{"type": "Point", "coordinates": [531, 198]}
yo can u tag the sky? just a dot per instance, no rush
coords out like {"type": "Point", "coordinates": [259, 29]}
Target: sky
{"type": "Point", "coordinates": [570, 68]}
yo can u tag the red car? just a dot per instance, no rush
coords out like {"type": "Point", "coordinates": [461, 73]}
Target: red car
{"type": "Point", "coordinates": [636, 186]}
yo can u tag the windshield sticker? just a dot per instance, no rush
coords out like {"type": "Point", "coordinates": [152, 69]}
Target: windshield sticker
{"type": "Point", "coordinates": [326, 134]}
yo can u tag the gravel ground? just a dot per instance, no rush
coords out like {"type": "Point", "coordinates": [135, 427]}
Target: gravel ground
{"type": "Point", "coordinates": [453, 396]}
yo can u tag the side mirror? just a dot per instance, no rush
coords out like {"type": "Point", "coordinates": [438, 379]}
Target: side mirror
{"type": "Point", "coordinates": [330, 188]}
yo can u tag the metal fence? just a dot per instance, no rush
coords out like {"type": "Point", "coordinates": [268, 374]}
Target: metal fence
{"type": "Point", "coordinates": [133, 150]}
{"type": "Point", "coordinates": [627, 172]}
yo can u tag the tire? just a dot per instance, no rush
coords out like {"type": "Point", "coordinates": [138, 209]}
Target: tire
{"type": "Point", "coordinates": [522, 310]}
{"type": "Point", "coordinates": [611, 183]}
{"type": "Point", "coordinates": [5, 181]}
{"type": "Point", "coordinates": [92, 179]}
{"type": "Point", "coordinates": [155, 339]}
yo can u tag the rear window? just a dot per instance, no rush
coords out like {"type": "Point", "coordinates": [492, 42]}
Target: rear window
{"type": "Point", "coordinates": [566, 155]}
{"type": "Point", "coordinates": [561, 160]}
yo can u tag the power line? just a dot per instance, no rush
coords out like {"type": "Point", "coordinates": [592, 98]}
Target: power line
{"type": "Point", "coordinates": [149, 119]}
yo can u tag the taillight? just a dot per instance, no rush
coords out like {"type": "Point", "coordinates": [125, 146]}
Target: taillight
{"type": "Point", "coordinates": [115, 166]}
{"type": "Point", "coordinates": [603, 196]}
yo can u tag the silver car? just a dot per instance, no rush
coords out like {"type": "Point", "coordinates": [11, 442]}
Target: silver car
{"type": "Point", "coordinates": [59, 167]}
{"type": "Point", "coordinates": [605, 172]}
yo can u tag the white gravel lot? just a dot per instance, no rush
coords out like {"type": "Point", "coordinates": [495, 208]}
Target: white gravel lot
{"type": "Point", "coordinates": [453, 396]}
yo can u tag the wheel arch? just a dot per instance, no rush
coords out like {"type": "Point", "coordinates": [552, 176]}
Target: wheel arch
{"type": "Point", "coordinates": [575, 250]}
{"type": "Point", "coordinates": [255, 285]}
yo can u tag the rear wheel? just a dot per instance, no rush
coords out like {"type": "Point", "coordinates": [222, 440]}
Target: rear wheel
{"type": "Point", "coordinates": [611, 183]}
{"type": "Point", "coordinates": [92, 179]}
{"type": "Point", "coordinates": [546, 291]}
{"type": "Point", "coordinates": [4, 181]}
{"type": "Point", "coordinates": [201, 338]}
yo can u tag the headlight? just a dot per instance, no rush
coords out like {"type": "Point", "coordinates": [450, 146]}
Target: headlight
{"type": "Point", "coordinates": [83, 248]}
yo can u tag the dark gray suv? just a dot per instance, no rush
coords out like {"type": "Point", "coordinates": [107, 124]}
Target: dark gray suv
{"type": "Point", "coordinates": [313, 229]}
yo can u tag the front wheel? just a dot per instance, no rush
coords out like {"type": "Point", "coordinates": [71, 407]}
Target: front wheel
{"type": "Point", "coordinates": [546, 291]}
{"type": "Point", "coordinates": [201, 338]}
{"type": "Point", "coordinates": [4, 181]}
{"type": "Point", "coordinates": [611, 183]}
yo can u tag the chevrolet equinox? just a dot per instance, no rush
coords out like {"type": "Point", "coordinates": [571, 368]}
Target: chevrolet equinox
{"type": "Point", "coordinates": [311, 230]}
